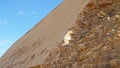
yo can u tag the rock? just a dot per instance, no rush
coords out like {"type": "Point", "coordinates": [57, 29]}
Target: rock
{"type": "Point", "coordinates": [115, 62]}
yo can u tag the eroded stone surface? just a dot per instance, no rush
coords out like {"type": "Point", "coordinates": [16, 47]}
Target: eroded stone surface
{"type": "Point", "coordinates": [95, 42]}
{"type": "Point", "coordinates": [34, 47]}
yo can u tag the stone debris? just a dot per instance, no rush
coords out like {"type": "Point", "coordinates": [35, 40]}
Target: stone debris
{"type": "Point", "coordinates": [67, 38]}
{"type": "Point", "coordinates": [93, 41]}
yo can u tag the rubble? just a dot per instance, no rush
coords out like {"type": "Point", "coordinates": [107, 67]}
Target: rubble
{"type": "Point", "coordinates": [92, 42]}
{"type": "Point", "coordinates": [94, 38]}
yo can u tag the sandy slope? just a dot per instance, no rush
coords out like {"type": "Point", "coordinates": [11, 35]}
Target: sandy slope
{"type": "Point", "coordinates": [34, 47]}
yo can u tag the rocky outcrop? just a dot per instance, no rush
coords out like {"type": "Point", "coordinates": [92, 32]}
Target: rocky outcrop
{"type": "Point", "coordinates": [92, 38]}
{"type": "Point", "coordinates": [95, 39]}
{"type": "Point", "coordinates": [34, 47]}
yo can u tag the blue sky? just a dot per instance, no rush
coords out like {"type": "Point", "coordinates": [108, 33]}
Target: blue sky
{"type": "Point", "coordinates": [19, 16]}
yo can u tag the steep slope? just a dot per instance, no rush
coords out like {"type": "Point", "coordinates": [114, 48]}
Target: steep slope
{"type": "Point", "coordinates": [93, 41]}
{"type": "Point", "coordinates": [34, 47]}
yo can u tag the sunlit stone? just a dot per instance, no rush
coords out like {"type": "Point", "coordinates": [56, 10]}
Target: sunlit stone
{"type": "Point", "coordinates": [108, 18]}
{"type": "Point", "coordinates": [117, 38]}
{"type": "Point", "coordinates": [67, 37]}
{"type": "Point", "coordinates": [113, 30]}
{"type": "Point", "coordinates": [108, 33]}
{"type": "Point", "coordinates": [117, 15]}
{"type": "Point", "coordinates": [113, 18]}
{"type": "Point", "coordinates": [118, 34]}
{"type": "Point", "coordinates": [100, 25]}
{"type": "Point", "coordinates": [118, 31]}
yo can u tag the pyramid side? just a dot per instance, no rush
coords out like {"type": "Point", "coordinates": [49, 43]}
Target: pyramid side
{"type": "Point", "coordinates": [34, 47]}
{"type": "Point", "coordinates": [94, 39]}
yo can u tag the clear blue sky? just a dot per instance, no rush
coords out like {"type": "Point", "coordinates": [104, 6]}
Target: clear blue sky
{"type": "Point", "coordinates": [19, 16]}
